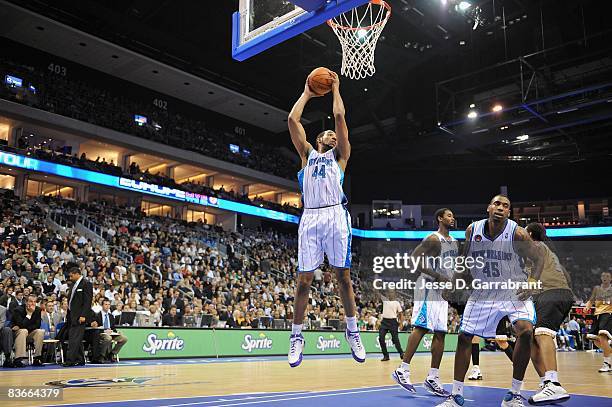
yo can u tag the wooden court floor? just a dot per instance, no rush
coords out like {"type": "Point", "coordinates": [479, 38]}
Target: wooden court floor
{"type": "Point", "coordinates": [148, 380]}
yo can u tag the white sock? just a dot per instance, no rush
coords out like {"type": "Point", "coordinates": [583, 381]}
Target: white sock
{"type": "Point", "coordinates": [476, 367]}
{"type": "Point", "coordinates": [516, 386]}
{"type": "Point", "coordinates": [351, 324]}
{"type": "Point", "coordinates": [433, 373]}
{"type": "Point", "coordinates": [608, 360]}
{"type": "Point", "coordinates": [405, 366]}
{"type": "Point", "coordinates": [551, 376]}
{"type": "Point", "coordinates": [458, 387]}
{"type": "Point", "coordinates": [296, 329]}
{"type": "Point", "coordinates": [542, 379]}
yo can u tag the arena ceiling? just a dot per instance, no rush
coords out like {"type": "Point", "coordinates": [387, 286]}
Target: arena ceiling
{"type": "Point", "coordinates": [547, 63]}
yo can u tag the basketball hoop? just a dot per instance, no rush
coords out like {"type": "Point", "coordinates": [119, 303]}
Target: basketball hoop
{"type": "Point", "coordinates": [358, 31]}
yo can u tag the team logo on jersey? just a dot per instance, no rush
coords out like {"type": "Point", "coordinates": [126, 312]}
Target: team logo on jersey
{"type": "Point", "coordinates": [477, 238]}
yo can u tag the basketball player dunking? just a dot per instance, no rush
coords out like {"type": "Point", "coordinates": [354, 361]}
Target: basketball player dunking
{"type": "Point", "coordinates": [430, 312]}
{"type": "Point", "coordinates": [501, 245]}
{"type": "Point", "coordinates": [325, 226]}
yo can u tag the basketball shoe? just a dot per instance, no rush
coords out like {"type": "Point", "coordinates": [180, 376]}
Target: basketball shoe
{"type": "Point", "coordinates": [296, 348]}
{"type": "Point", "coordinates": [357, 348]}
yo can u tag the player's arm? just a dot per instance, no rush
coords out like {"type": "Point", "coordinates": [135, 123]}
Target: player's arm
{"type": "Point", "coordinates": [296, 129]}
{"type": "Point", "coordinates": [527, 248]}
{"type": "Point", "coordinates": [589, 303]}
{"type": "Point", "coordinates": [343, 146]}
{"type": "Point", "coordinates": [430, 246]}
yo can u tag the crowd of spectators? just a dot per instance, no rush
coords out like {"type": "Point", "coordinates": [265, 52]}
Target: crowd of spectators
{"type": "Point", "coordinates": [98, 164]}
{"type": "Point", "coordinates": [92, 103]}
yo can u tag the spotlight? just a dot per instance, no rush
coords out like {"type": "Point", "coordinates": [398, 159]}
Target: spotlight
{"type": "Point", "coordinates": [472, 106]}
{"type": "Point", "coordinates": [497, 108]}
{"type": "Point", "coordinates": [523, 137]}
{"type": "Point", "coordinates": [472, 114]}
{"type": "Point", "coordinates": [464, 5]}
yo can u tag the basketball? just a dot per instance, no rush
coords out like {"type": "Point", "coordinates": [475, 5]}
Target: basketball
{"type": "Point", "coordinates": [320, 81]}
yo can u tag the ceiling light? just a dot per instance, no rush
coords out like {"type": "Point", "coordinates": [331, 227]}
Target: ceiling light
{"type": "Point", "coordinates": [472, 114]}
{"type": "Point", "coordinates": [522, 137]}
{"type": "Point", "coordinates": [497, 108]}
{"type": "Point", "coordinates": [464, 5]}
{"type": "Point", "coordinates": [472, 106]}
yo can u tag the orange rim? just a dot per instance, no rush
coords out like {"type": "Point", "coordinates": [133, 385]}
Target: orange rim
{"type": "Point", "coordinates": [381, 3]}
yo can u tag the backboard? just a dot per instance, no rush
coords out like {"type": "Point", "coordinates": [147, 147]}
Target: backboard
{"type": "Point", "coordinates": [260, 24]}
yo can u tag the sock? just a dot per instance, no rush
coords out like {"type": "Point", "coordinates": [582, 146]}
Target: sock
{"type": "Point", "coordinates": [475, 354]}
{"type": "Point", "coordinates": [405, 366]}
{"type": "Point", "coordinates": [516, 386]}
{"type": "Point", "coordinates": [551, 376]}
{"type": "Point", "coordinates": [296, 329]}
{"type": "Point", "coordinates": [458, 387]}
{"type": "Point", "coordinates": [509, 351]}
{"type": "Point", "coordinates": [542, 379]}
{"type": "Point", "coordinates": [608, 360]}
{"type": "Point", "coordinates": [433, 373]}
{"type": "Point", "coordinates": [351, 324]}
{"type": "Point", "coordinates": [476, 367]}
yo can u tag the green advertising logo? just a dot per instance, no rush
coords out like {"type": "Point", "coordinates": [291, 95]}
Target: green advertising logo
{"type": "Point", "coordinates": [250, 343]}
{"type": "Point", "coordinates": [329, 343]}
{"type": "Point", "coordinates": [153, 344]}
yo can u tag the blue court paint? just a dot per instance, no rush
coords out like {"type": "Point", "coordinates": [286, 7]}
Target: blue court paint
{"type": "Point", "coordinates": [358, 397]}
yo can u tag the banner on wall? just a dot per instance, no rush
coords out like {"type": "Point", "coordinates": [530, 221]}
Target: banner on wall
{"type": "Point", "coordinates": [147, 343]}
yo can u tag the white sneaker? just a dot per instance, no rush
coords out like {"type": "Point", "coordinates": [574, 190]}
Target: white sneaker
{"type": "Point", "coordinates": [605, 368]}
{"type": "Point", "coordinates": [475, 375]}
{"type": "Point", "coordinates": [357, 348]}
{"type": "Point", "coordinates": [402, 377]}
{"type": "Point", "coordinates": [434, 386]}
{"type": "Point", "coordinates": [550, 394]}
{"type": "Point", "coordinates": [296, 347]}
{"type": "Point", "coordinates": [454, 400]}
{"type": "Point", "coordinates": [512, 400]}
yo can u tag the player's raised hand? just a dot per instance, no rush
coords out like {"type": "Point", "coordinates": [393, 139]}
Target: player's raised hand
{"type": "Point", "coordinates": [308, 92]}
{"type": "Point", "coordinates": [335, 81]}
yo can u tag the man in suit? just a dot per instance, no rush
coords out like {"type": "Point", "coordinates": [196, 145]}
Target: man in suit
{"type": "Point", "coordinates": [106, 320]}
{"type": "Point", "coordinates": [26, 325]}
{"type": "Point", "coordinates": [79, 308]}
{"type": "Point", "coordinates": [6, 338]}
{"type": "Point", "coordinates": [171, 318]}
{"type": "Point", "coordinates": [176, 301]}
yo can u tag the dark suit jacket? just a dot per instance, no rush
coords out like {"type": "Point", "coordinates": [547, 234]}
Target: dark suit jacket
{"type": "Point", "coordinates": [180, 305]}
{"type": "Point", "coordinates": [168, 320]}
{"type": "Point", "coordinates": [111, 318]}
{"type": "Point", "coordinates": [20, 320]}
{"type": "Point", "coordinates": [81, 302]}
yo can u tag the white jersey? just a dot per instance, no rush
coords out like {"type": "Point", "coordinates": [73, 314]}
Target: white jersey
{"type": "Point", "coordinates": [500, 261]}
{"type": "Point", "coordinates": [321, 180]}
{"type": "Point", "coordinates": [445, 262]}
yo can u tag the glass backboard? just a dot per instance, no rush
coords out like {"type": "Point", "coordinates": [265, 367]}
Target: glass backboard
{"type": "Point", "coordinates": [261, 24]}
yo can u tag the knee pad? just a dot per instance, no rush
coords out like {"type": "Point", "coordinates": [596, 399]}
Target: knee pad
{"type": "Point", "coordinates": [545, 331]}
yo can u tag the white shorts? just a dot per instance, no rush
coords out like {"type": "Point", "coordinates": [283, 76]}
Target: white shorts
{"type": "Point", "coordinates": [481, 317]}
{"type": "Point", "coordinates": [324, 231]}
{"type": "Point", "coordinates": [430, 310]}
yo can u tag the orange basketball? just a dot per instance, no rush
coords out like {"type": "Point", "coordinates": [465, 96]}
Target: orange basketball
{"type": "Point", "coordinates": [320, 81]}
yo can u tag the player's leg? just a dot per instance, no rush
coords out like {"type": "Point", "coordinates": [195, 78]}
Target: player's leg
{"type": "Point", "coordinates": [347, 296]}
{"type": "Point", "coordinates": [438, 314]}
{"type": "Point", "coordinates": [310, 256]}
{"type": "Point", "coordinates": [604, 345]}
{"type": "Point", "coordinates": [502, 339]}
{"type": "Point", "coordinates": [551, 307]}
{"type": "Point", "coordinates": [395, 338]}
{"type": "Point", "coordinates": [401, 375]}
{"type": "Point", "coordinates": [475, 374]}
{"type": "Point", "coordinates": [475, 318]}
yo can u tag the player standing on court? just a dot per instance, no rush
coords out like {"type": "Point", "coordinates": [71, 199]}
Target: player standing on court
{"type": "Point", "coordinates": [430, 311]}
{"type": "Point", "coordinates": [502, 245]}
{"type": "Point", "coordinates": [325, 225]}
{"type": "Point", "coordinates": [553, 304]}
{"type": "Point", "coordinates": [601, 332]}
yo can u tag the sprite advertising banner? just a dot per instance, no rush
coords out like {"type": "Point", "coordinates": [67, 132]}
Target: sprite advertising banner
{"type": "Point", "coordinates": [152, 343]}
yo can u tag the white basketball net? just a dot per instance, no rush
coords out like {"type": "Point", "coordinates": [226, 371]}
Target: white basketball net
{"type": "Point", "coordinates": [358, 31]}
